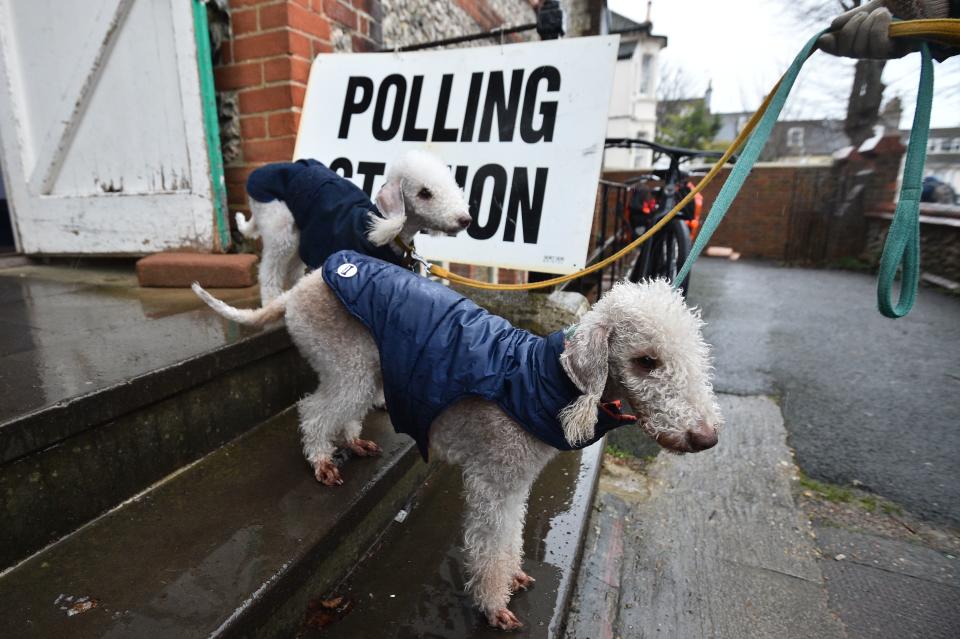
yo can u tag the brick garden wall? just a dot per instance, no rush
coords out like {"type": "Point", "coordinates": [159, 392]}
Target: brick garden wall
{"type": "Point", "coordinates": [805, 214]}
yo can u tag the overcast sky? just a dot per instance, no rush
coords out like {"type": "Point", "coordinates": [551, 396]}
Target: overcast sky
{"type": "Point", "coordinates": [743, 46]}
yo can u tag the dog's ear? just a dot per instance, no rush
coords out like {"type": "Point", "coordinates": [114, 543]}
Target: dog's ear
{"type": "Point", "coordinates": [584, 359]}
{"type": "Point", "coordinates": [391, 204]}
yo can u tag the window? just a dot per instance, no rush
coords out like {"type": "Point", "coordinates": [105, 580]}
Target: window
{"type": "Point", "coordinates": [935, 145]}
{"type": "Point", "coordinates": [955, 145]}
{"type": "Point", "coordinates": [795, 137]}
{"type": "Point", "coordinates": [646, 74]}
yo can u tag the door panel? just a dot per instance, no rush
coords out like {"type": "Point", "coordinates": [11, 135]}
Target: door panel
{"type": "Point", "coordinates": [101, 126]}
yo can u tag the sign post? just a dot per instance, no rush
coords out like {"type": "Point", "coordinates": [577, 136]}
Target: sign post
{"type": "Point", "coordinates": [522, 126]}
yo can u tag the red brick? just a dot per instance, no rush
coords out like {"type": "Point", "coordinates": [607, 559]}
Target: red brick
{"type": "Point", "coordinates": [299, 93]}
{"type": "Point", "coordinates": [272, 150]}
{"type": "Point", "coordinates": [235, 4]}
{"type": "Point", "coordinates": [309, 22]}
{"type": "Point", "coordinates": [273, 16]}
{"type": "Point", "coordinates": [266, 99]}
{"type": "Point", "coordinates": [180, 270]}
{"type": "Point", "coordinates": [263, 45]}
{"type": "Point", "coordinates": [238, 76]}
{"type": "Point", "coordinates": [236, 195]}
{"type": "Point", "coordinates": [243, 22]}
{"type": "Point", "coordinates": [277, 69]}
{"type": "Point", "coordinates": [341, 13]}
{"type": "Point", "coordinates": [300, 44]}
{"type": "Point", "coordinates": [284, 124]}
{"type": "Point", "coordinates": [226, 52]}
{"type": "Point", "coordinates": [321, 47]}
{"type": "Point", "coordinates": [237, 174]}
{"type": "Point", "coordinates": [253, 127]}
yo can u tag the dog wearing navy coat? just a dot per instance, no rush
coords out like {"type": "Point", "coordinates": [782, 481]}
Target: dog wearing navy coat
{"type": "Point", "coordinates": [304, 212]}
{"type": "Point", "coordinates": [477, 392]}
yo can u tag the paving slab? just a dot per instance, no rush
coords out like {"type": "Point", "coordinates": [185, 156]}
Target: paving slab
{"type": "Point", "coordinates": [887, 589]}
{"type": "Point", "coordinates": [706, 545]}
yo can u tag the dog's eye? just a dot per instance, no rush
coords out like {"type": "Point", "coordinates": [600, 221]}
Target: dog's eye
{"type": "Point", "coordinates": [646, 363]}
{"type": "Point", "coordinates": [424, 194]}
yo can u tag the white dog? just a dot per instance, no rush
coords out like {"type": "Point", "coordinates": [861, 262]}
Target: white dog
{"type": "Point", "coordinates": [304, 205]}
{"type": "Point", "coordinates": [361, 322]}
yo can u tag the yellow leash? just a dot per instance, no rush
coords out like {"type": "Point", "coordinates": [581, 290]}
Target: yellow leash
{"type": "Point", "coordinates": [946, 32]}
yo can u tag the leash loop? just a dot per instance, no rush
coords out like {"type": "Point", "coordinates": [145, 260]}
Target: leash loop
{"type": "Point", "coordinates": [901, 250]}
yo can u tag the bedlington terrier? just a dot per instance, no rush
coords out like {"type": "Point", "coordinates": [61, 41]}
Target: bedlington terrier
{"type": "Point", "coordinates": [304, 205]}
{"type": "Point", "coordinates": [479, 393]}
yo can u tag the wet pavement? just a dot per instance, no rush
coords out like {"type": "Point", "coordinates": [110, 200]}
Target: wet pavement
{"type": "Point", "coordinates": [66, 333]}
{"type": "Point", "coordinates": [412, 584]}
{"type": "Point", "coordinates": [866, 400]}
{"type": "Point", "coordinates": [704, 545]}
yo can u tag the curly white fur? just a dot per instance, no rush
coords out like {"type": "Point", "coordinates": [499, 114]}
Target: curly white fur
{"type": "Point", "coordinates": [639, 342]}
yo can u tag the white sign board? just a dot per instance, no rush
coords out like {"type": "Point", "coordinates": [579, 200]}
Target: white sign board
{"type": "Point", "coordinates": [521, 125]}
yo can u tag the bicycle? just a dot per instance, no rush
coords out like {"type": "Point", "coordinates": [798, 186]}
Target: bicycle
{"type": "Point", "coordinates": [647, 204]}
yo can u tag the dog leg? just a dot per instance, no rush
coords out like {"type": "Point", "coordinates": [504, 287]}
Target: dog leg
{"type": "Point", "coordinates": [317, 429]}
{"type": "Point", "coordinates": [496, 502]}
{"type": "Point", "coordinates": [280, 241]}
{"type": "Point", "coordinates": [359, 447]}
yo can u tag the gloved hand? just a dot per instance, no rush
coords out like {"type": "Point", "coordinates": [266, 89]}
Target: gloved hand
{"type": "Point", "coordinates": [863, 32]}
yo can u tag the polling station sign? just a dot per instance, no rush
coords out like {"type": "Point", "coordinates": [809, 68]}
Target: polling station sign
{"type": "Point", "coordinates": [521, 125]}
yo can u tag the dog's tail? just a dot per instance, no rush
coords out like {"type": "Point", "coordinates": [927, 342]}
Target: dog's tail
{"type": "Point", "coordinates": [249, 316]}
{"type": "Point", "coordinates": [247, 228]}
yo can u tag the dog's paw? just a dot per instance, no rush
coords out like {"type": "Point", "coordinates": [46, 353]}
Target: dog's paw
{"type": "Point", "coordinates": [504, 620]}
{"type": "Point", "coordinates": [327, 473]}
{"type": "Point", "coordinates": [364, 448]}
{"type": "Point", "coordinates": [521, 581]}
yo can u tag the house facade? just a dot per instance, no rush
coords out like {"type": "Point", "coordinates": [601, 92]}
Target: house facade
{"type": "Point", "coordinates": [943, 155]}
{"type": "Point", "coordinates": [633, 102]}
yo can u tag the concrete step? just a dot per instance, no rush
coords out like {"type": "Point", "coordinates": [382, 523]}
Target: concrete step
{"type": "Point", "coordinates": [107, 388]}
{"type": "Point", "coordinates": [234, 545]}
{"type": "Point", "coordinates": [412, 583]}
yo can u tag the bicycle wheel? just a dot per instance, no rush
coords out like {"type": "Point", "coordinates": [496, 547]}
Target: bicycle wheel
{"type": "Point", "coordinates": [676, 243]}
{"type": "Point", "coordinates": [641, 265]}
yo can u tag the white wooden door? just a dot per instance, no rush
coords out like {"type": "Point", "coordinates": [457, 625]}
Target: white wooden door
{"type": "Point", "coordinates": [101, 127]}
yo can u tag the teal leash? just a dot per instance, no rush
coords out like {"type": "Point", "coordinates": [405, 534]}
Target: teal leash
{"type": "Point", "coordinates": [902, 247]}
{"type": "Point", "coordinates": [903, 240]}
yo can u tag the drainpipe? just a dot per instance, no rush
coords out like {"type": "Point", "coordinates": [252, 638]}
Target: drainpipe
{"type": "Point", "coordinates": [211, 126]}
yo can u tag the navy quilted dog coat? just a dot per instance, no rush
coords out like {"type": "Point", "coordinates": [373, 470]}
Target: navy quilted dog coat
{"type": "Point", "coordinates": [437, 347]}
{"type": "Point", "coordinates": [330, 211]}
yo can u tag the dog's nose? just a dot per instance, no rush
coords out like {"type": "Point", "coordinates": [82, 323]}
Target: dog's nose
{"type": "Point", "coordinates": [464, 220]}
{"type": "Point", "coordinates": [702, 437]}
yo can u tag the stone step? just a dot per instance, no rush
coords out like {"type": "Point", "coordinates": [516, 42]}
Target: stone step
{"type": "Point", "coordinates": [234, 545]}
{"type": "Point", "coordinates": [107, 388]}
{"type": "Point", "coordinates": [412, 583]}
